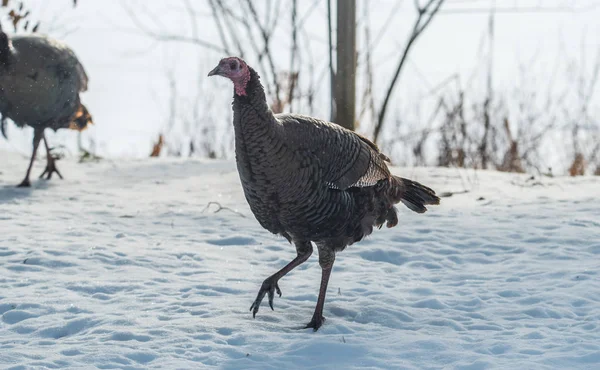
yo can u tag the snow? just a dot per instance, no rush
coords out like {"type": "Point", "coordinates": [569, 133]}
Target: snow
{"type": "Point", "coordinates": [121, 265]}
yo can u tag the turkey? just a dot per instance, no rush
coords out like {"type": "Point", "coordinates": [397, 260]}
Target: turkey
{"type": "Point", "coordinates": [40, 82]}
{"type": "Point", "coordinates": [310, 181]}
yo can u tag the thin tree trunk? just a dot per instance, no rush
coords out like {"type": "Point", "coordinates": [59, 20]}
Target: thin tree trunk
{"type": "Point", "coordinates": [345, 81]}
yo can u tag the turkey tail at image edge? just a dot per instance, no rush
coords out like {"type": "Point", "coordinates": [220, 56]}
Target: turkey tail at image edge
{"type": "Point", "coordinates": [81, 119]}
{"type": "Point", "coordinates": [4, 47]}
{"type": "Point", "coordinates": [414, 195]}
{"type": "Point", "coordinates": [4, 52]}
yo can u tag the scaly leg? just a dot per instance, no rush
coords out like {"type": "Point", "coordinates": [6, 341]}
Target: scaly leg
{"type": "Point", "coordinates": [270, 285]}
{"type": "Point", "coordinates": [38, 133]}
{"type": "Point", "coordinates": [326, 259]}
{"type": "Point", "coordinates": [50, 162]}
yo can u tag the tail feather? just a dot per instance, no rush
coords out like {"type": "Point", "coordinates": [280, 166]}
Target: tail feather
{"type": "Point", "coordinates": [414, 195]}
{"type": "Point", "coordinates": [81, 119]}
{"type": "Point", "coordinates": [4, 48]}
{"type": "Point", "coordinates": [3, 127]}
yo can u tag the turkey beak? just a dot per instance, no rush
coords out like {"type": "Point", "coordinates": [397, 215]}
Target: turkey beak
{"type": "Point", "coordinates": [215, 71]}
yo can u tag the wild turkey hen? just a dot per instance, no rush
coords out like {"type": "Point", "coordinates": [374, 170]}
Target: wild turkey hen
{"type": "Point", "coordinates": [310, 180]}
{"type": "Point", "coordinates": [40, 82]}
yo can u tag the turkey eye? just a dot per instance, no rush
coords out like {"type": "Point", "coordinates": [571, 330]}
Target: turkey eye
{"type": "Point", "coordinates": [232, 65]}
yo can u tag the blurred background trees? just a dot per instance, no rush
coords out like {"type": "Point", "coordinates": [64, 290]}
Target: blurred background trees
{"type": "Point", "coordinates": [542, 118]}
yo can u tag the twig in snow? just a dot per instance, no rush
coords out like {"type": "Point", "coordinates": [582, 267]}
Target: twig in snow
{"type": "Point", "coordinates": [448, 194]}
{"type": "Point", "coordinates": [221, 208]}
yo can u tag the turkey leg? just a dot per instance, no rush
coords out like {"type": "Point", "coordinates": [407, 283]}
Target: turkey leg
{"type": "Point", "coordinates": [270, 285]}
{"type": "Point", "coordinates": [38, 133]}
{"type": "Point", "coordinates": [50, 162]}
{"type": "Point", "coordinates": [326, 259]}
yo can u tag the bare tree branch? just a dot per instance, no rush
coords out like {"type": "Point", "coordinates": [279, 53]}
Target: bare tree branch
{"type": "Point", "coordinates": [425, 15]}
{"type": "Point", "coordinates": [168, 37]}
{"type": "Point", "coordinates": [266, 35]}
{"type": "Point", "coordinates": [216, 16]}
{"type": "Point", "coordinates": [228, 16]}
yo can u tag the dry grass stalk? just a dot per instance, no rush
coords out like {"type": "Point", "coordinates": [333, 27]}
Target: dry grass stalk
{"type": "Point", "coordinates": [578, 166]}
{"type": "Point", "coordinates": [512, 160]}
{"type": "Point", "coordinates": [157, 146]}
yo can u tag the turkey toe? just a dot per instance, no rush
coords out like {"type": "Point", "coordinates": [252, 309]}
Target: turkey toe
{"type": "Point", "coordinates": [269, 286]}
{"type": "Point", "coordinates": [315, 323]}
{"type": "Point", "coordinates": [24, 184]}
{"type": "Point", "coordinates": [50, 169]}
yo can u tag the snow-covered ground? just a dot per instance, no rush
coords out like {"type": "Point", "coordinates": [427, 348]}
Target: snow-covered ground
{"type": "Point", "coordinates": [121, 266]}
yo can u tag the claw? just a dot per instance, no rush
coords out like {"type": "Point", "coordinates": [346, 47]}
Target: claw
{"type": "Point", "coordinates": [50, 169]}
{"type": "Point", "coordinates": [255, 306]}
{"type": "Point", "coordinates": [271, 296]}
{"type": "Point", "coordinates": [315, 323]}
{"type": "Point", "coordinates": [24, 184]}
{"type": "Point", "coordinates": [268, 287]}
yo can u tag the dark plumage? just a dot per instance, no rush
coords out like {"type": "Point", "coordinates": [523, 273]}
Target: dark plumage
{"type": "Point", "coordinates": [311, 180]}
{"type": "Point", "coordinates": [40, 82]}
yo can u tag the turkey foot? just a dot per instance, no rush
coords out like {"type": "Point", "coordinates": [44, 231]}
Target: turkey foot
{"type": "Point", "coordinates": [24, 184]}
{"type": "Point", "coordinates": [50, 169]}
{"type": "Point", "coordinates": [315, 323]}
{"type": "Point", "coordinates": [269, 286]}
